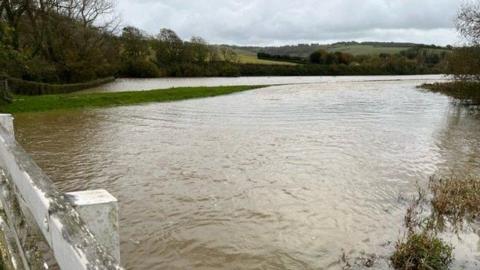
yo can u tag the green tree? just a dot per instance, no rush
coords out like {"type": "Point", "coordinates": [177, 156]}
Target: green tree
{"type": "Point", "coordinates": [134, 43]}
{"type": "Point", "coordinates": [136, 54]}
{"type": "Point", "coordinates": [319, 57]}
{"type": "Point", "coordinates": [200, 50]}
{"type": "Point", "coordinates": [170, 48]}
{"type": "Point", "coordinates": [73, 38]}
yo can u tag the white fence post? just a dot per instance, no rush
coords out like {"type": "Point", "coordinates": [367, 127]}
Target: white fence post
{"type": "Point", "coordinates": [99, 211]}
{"type": "Point", "coordinates": [6, 121]}
{"type": "Point", "coordinates": [80, 228]}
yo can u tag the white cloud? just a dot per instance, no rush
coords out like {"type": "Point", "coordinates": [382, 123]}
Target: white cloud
{"type": "Point", "coordinates": [289, 21]}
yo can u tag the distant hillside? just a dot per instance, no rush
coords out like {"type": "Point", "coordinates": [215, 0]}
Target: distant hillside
{"type": "Point", "coordinates": [355, 48]}
{"type": "Point", "coordinates": [250, 57]}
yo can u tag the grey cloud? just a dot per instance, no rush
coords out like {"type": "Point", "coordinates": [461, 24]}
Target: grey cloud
{"type": "Point", "coordinates": [287, 21]}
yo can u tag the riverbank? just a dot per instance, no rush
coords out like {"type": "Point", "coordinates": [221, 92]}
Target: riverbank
{"type": "Point", "coordinates": [97, 100]}
{"type": "Point", "coordinates": [465, 92]}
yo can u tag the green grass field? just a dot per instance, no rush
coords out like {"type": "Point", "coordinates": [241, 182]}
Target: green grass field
{"type": "Point", "coordinates": [365, 49]}
{"type": "Point", "coordinates": [252, 59]}
{"type": "Point", "coordinates": [361, 49]}
{"type": "Point", "coordinates": [249, 57]}
{"type": "Point", "coordinates": [353, 48]}
{"type": "Point", "coordinates": [22, 104]}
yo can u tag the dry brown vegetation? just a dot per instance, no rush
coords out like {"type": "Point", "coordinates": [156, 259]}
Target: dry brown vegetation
{"type": "Point", "coordinates": [466, 93]}
{"type": "Point", "coordinates": [455, 200]}
{"type": "Point", "coordinates": [453, 203]}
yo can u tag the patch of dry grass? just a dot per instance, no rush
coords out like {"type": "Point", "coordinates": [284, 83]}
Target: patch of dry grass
{"type": "Point", "coordinates": [455, 200]}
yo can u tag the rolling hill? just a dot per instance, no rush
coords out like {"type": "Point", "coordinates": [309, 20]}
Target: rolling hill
{"type": "Point", "coordinates": [247, 54]}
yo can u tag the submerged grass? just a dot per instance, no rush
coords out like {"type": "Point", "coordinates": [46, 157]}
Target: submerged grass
{"type": "Point", "coordinates": [422, 251]}
{"type": "Point", "coordinates": [421, 248]}
{"type": "Point", "coordinates": [453, 203]}
{"type": "Point", "coordinates": [96, 100]}
{"type": "Point", "coordinates": [455, 200]}
{"type": "Point", "coordinates": [467, 93]}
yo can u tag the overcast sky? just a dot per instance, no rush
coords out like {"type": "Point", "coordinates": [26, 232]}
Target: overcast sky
{"type": "Point", "coordinates": [278, 22]}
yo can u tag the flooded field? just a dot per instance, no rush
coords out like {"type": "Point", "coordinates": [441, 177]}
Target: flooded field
{"type": "Point", "coordinates": [284, 177]}
{"type": "Point", "coordinates": [123, 84]}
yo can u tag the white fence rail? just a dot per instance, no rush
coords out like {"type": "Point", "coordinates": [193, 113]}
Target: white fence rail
{"type": "Point", "coordinates": [80, 229]}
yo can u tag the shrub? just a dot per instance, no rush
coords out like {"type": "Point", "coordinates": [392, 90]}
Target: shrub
{"type": "Point", "coordinates": [422, 251]}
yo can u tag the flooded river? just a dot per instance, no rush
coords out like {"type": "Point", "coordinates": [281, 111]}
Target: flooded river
{"type": "Point", "coordinates": [120, 85]}
{"type": "Point", "coordinates": [284, 177]}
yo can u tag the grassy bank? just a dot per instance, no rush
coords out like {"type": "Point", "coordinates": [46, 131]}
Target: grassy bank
{"type": "Point", "coordinates": [464, 92]}
{"type": "Point", "coordinates": [98, 100]}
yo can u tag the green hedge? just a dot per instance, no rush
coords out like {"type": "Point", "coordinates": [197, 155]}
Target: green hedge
{"type": "Point", "coordinates": [331, 70]}
{"type": "Point", "coordinates": [30, 88]}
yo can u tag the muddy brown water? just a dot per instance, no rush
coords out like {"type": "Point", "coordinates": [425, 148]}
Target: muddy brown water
{"type": "Point", "coordinates": [284, 177]}
{"type": "Point", "coordinates": [136, 84]}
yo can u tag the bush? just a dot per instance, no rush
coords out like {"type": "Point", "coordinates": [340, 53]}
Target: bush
{"type": "Point", "coordinates": [422, 251]}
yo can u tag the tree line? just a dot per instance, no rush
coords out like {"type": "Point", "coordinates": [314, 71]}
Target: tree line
{"type": "Point", "coordinates": [166, 54]}
{"type": "Point", "coordinates": [57, 40]}
{"type": "Point", "coordinates": [69, 41]}
{"type": "Point", "coordinates": [414, 60]}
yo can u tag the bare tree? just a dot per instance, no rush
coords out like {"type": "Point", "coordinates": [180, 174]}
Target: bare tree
{"type": "Point", "coordinates": [90, 13]}
{"type": "Point", "coordinates": [468, 22]}
{"type": "Point", "coordinates": [464, 63]}
{"type": "Point", "coordinates": [12, 11]}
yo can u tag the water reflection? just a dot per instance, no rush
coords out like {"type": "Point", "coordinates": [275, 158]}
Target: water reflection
{"type": "Point", "coordinates": [279, 178]}
{"type": "Point", "coordinates": [461, 131]}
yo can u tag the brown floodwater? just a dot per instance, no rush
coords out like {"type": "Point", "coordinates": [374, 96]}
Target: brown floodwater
{"type": "Point", "coordinates": [136, 84]}
{"type": "Point", "coordinates": [285, 177]}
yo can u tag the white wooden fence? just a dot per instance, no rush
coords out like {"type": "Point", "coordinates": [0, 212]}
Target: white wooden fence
{"type": "Point", "coordinates": [43, 228]}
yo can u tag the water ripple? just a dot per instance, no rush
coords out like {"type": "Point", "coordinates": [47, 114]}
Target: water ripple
{"type": "Point", "coordinates": [278, 178]}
